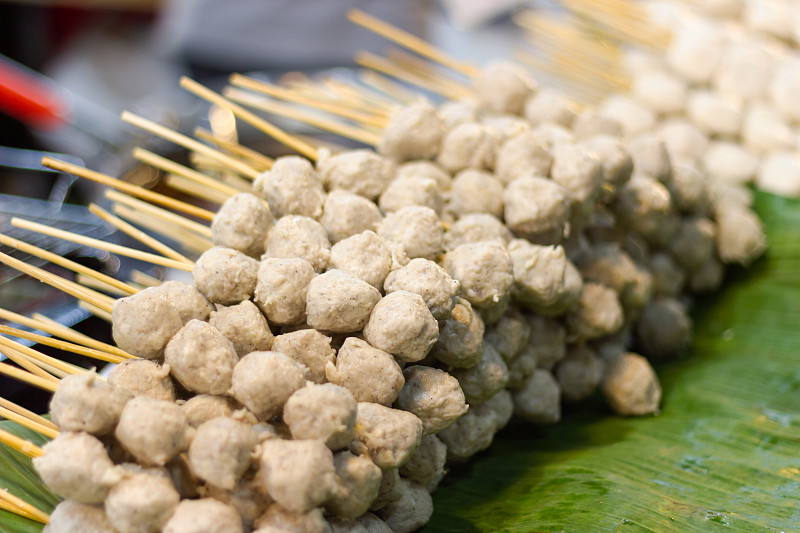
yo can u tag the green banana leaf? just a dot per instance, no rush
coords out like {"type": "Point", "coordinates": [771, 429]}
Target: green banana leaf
{"type": "Point", "coordinates": [723, 455]}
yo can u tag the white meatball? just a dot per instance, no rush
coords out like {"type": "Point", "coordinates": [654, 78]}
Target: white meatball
{"type": "Point", "coordinates": [242, 223]}
{"type": "Point", "coordinates": [206, 515]}
{"type": "Point", "coordinates": [537, 208]}
{"type": "Point", "coordinates": [416, 229]}
{"type": "Point", "coordinates": [201, 358]}
{"type": "Point", "coordinates": [433, 395]}
{"type": "Point", "coordinates": [225, 276]}
{"type": "Point", "coordinates": [220, 451]}
{"type": "Point", "coordinates": [730, 162]}
{"type": "Point", "coordinates": [264, 381]}
{"type": "Point", "coordinates": [142, 377]}
{"type": "Point", "coordinates": [475, 191]}
{"type": "Point", "coordinates": [187, 299]}
{"type": "Point", "coordinates": [476, 227]}
{"type": "Point", "coordinates": [485, 379]}
{"type": "Point", "coordinates": [298, 236]}
{"type": "Point", "coordinates": [539, 398]}
{"type": "Point", "coordinates": [292, 187]}
{"type": "Point", "coordinates": [484, 270]}
{"type": "Point", "coordinates": [339, 302]}
{"type": "Point", "coordinates": [430, 281]}
{"type": "Point", "coordinates": [630, 385]}
{"type": "Point", "coordinates": [502, 88]}
{"type": "Point", "coordinates": [467, 145]}
{"type": "Point", "coordinates": [308, 347]}
{"type": "Point", "coordinates": [141, 503]}
{"type": "Point", "coordinates": [411, 190]}
{"type": "Point", "coordinates": [524, 154]}
{"type": "Point", "coordinates": [324, 412]}
{"type": "Point", "coordinates": [365, 255]}
{"type": "Point", "coordinates": [549, 105]}
{"type": "Point", "coordinates": [544, 279]}
{"type": "Point", "coordinates": [143, 324]}
{"type": "Point", "coordinates": [298, 474]}
{"type": "Point", "coordinates": [402, 325]}
{"type": "Point", "coordinates": [243, 325]}
{"type": "Point", "coordinates": [76, 466]}
{"type": "Point", "coordinates": [84, 402]}
{"type": "Point", "coordinates": [281, 288]}
{"type": "Point", "coordinates": [460, 337]}
{"type": "Point", "coordinates": [714, 114]}
{"type": "Point", "coordinates": [370, 374]}
{"type": "Point", "coordinates": [361, 172]}
{"type": "Point", "coordinates": [348, 214]}
{"type": "Point", "coordinates": [425, 169]}
{"type": "Point", "coordinates": [414, 132]}
{"type": "Point", "coordinates": [411, 511]}
{"type": "Point", "coordinates": [389, 436]}
{"type": "Point", "coordinates": [154, 431]}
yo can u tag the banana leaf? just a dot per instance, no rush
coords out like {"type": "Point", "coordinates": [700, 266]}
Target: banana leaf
{"type": "Point", "coordinates": [723, 454]}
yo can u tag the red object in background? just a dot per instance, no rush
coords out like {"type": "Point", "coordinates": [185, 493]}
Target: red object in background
{"type": "Point", "coordinates": [26, 96]}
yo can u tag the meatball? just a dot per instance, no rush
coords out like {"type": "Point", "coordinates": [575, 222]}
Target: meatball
{"type": "Point", "coordinates": [339, 302]}
{"type": "Point", "coordinates": [225, 276]}
{"type": "Point", "coordinates": [292, 187]}
{"type": "Point", "coordinates": [281, 289]}
{"type": "Point", "coordinates": [242, 223]}
{"type": "Point", "coordinates": [264, 381]}
{"type": "Point", "coordinates": [243, 325]}
{"type": "Point", "coordinates": [143, 324]}
{"type": "Point", "coordinates": [348, 214]}
{"type": "Point", "coordinates": [201, 358]}
{"type": "Point", "coordinates": [414, 132]}
{"type": "Point", "coordinates": [298, 236]}
{"type": "Point", "coordinates": [154, 431]}
{"type": "Point", "coordinates": [83, 402]}
{"type": "Point", "coordinates": [402, 325]}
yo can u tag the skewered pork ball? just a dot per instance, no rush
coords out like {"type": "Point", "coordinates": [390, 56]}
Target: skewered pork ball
{"type": "Point", "coordinates": [402, 325]}
{"type": "Point", "coordinates": [141, 503]}
{"type": "Point", "coordinates": [70, 516]}
{"type": "Point", "coordinates": [263, 381]}
{"type": "Point", "coordinates": [281, 289]}
{"type": "Point", "coordinates": [75, 465]}
{"type": "Point", "coordinates": [298, 236]}
{"type": "Point", "coordinates": [414, 132]}
{"type": "Point", "coordinates": [143, 377]}
{"type": "Point", "coordinates": [544, 279]}
{"type": "Point", "coordinates": [154, 431]}
{"type": "Point", "coordinates": [630, 385]}
{"type": "Point", "coordinates": [537, 208]}
{"type": "Point", "coordinates": [242, 223]}
{"type": "Point", "coordinates": [276, 519]}
{"type": "Point", "coordinates": [221, 450]}
{"type": "Point", "coordinates": [225, 276]}
{"type": "Point", "coordinates": [324, 412]}
{"type": "Point", "coordinates": [360, 172]}
{"type": "Point", "coordinates": [143, 324]}
{"type": "Point", "coordinates": [370, 374]}
{"type": "Point", "coordinates": [433, 395]}
{"type": "Point", "coordinates": [468, 145]}
{"type": "Point", "coordinates": [189, 301]}
{"type": "Point", "coordinates": [430, 281]}
{"type": "Point", "coordinates": [502, 88]}
{"type": "Point", "coordinates": [476, 227]}
{"type": "Point", "coordinates": [389, 436]}
{"type": "Point", "coordinates": [347, 214]}
{"type": "Point", "coordinates": [389, 491]}
{"type": "Point", "coordinates": [298, 474]}
{"type": "Point", "coordinates": [243, 325]}
{"type": "Point", "coordinates": [425, 169]}
{"type": "Point", "coordinates": [539, 398]}
{"type": "Point", "coordinates": [484, 270]}
{"type": "Point", "coordinates": [598, 313]}
{"type": "Point", "coordinates": [201, 358]}
{"type": "Point", "coordinates": [411, 511]}
{"type": "Point", "coordinates": [83, 402]}
{"type": "Point", "coordinates": [476, 191]}
{"type": "Point", "coordinates": [416, 229]}
{"type": "Point", "coordinates": [358, 480]}
{"type": "Point", "coordinates": [509, 335]}
{"type": "Point", "coordinates": [485, 379]}
{"type": "Point", "coordinates": [460, 337]}
{"type": "Point", "coordinates": [523, 155]}
{"type": "Point", "coordinates": [410, 191]}
{"type": "Point", "coordinates": [206, 515]}
{"type": "Point", "coordinates": [203, 407]}
{"type": "Point", "coordinates": [365, 255]}
{"type": "Point", "coordinates": [426, 466]}
{"type": "Point", "coordinates": [292, 187]}
{"type": "Point", "coordinates": [339, 302]}
{"type": "Point", "coordinates": [310, 348]}
{"type": "Point", "coordinates": [579, 373]}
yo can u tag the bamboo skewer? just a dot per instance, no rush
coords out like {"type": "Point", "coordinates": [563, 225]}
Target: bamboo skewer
{"type": "Point", "coordinates": [190, 144]}
{"type": "Point", "coordinates": [66, 263]}
{"type": "Point", "coordinates": [166, 165]}
{"type": "Point", "coordinates": [143, 279]}
{"type": "Point", "coordinates": [21, 445]}
{"type": "Point", "coordinates": [30, 424]}
{"type": "Point", "coordinates": [252, 119]}
{"type": "Point", "coordinates": [138, 234]}
{"type": "Point", "coordinates": [133, 190]}
{"type": "Point", "coordinates": [261, 161]}
{"type": "Point", "coordinates": [97, 311]}
{"type": "Point", "coordinates": [359, 97]}
{"type": "Point", "coordinates": [386, 86]}
{"type": "Point", "coordinates": [25, 509]}
{"type": "Point", "coordinates": [36, 356]}
{"type": "Point", "coordinates": [409, 41]}
{"type": "Point", "coordinates": [263, 104]}
{"type": "Point", "coordinates": [62, 345]}
{"type": "Point", "coordinates": [79, 291]}
{"type": "Point", "coordinates": [426, 70]}
{"type": "Point", "coordinates": [100, 244]}
{"type": "Point", "coordinates": [192, 188]}
{"type": "Point", "coordinates": [27, 377]}
{"type": "Point", "coordinates": [282, 93]}
{"type": "Point", "coordinates": [190, 240]}
{"type": "Point", "coordinates": [25, 412]}
{"type": "Point", "coordinates": [24, 362]}
{"type": "Point", "coordinates": [163, 214]}
{"type": "Point", "coordinates": [384, 66]}
{"type": "Point", "coordinates": [49, 325]}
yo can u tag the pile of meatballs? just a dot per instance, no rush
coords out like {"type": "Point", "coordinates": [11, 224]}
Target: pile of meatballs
{"type": "Point", "coordinates": [364, 321]}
